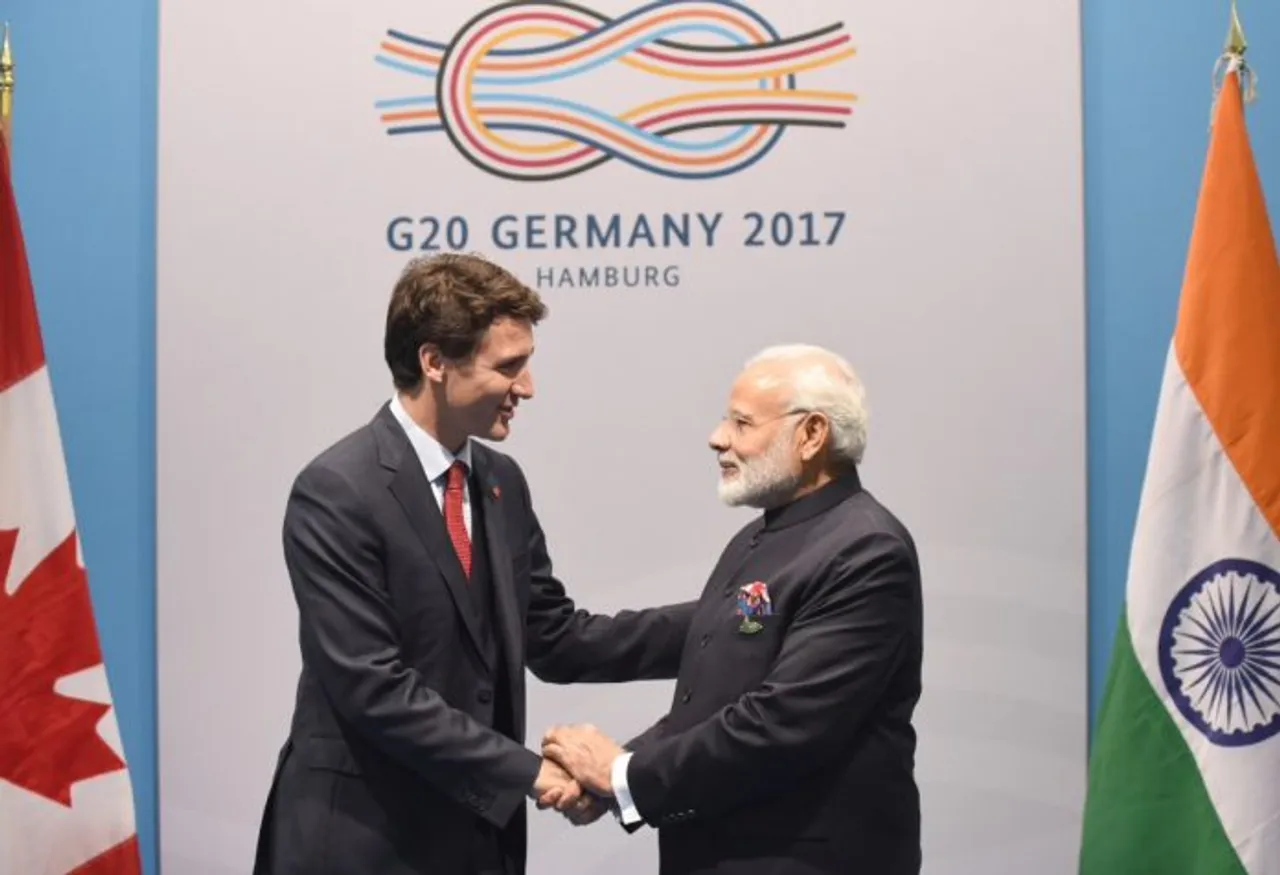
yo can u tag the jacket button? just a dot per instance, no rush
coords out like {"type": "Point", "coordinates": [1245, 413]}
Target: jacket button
{"type": "Point", "coordinates": [484, 697]}
{"type": "Point", "coordinates": [705, 639]}
{"type": "Point", "coordinates": [688, 694]}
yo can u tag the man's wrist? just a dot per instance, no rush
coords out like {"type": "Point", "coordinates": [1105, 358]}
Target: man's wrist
{"type": "Point", "coordinates": [627, 812]}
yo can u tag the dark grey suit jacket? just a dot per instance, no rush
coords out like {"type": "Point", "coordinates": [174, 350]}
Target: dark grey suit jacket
{"type": "Point", "coordinates": [392, 761]}
{"type": "Point", "coordinates": [791, 749]}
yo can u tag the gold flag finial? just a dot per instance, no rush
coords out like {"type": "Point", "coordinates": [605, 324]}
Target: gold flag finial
{"type": "Point", "coordinates": [1232, 61]}
{"type": "Point", "coordinates": [6, 85]}
{"type": "Point", "coordinates": [1236, 43]}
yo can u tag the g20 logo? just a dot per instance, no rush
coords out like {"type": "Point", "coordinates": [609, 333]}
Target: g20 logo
{"type": "Point", "coordinates": [725, 86]}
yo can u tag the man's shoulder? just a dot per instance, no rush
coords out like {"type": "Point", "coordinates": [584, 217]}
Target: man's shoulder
{"type": "Point", "coordinates": [876, 514]}
{"type": "Point", "coordinates": [864, 520]}
{"type": "Point", "coordinates": [348, 456]}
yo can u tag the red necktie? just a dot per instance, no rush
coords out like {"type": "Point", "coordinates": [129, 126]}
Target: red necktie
{"type": "Point", "coordinates": [453, 519]}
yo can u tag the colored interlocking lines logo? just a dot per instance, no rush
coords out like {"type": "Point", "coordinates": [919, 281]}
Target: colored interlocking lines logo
{"type": "Point", "coordinates": [732, 70]}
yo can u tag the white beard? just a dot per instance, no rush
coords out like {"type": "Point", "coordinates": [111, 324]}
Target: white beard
{"type": "Point", "coordinates": [764, 482]}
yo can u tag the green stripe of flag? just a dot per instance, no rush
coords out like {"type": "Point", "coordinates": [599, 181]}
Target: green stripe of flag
{"type": "Point", "coordinates": [1147, 811]}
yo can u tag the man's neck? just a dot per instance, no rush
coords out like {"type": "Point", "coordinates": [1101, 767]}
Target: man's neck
{"type": "Point", "coordinates": [424, 412]}
{"type": "Point", "coordinates": [812, 484]}
{"type": "Point", "coordinates": [808, 486]}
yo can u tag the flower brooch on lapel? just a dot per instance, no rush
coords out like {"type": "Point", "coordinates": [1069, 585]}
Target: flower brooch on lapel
{"type": "Point", "coordinates": [753, 602]}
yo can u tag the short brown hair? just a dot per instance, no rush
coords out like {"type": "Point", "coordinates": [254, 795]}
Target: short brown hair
{"type": "Point", "coordinates": [450, 300]}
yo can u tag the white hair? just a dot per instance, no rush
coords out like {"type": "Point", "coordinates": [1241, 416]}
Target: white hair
{"type": "Point", "coordinates": [825, 383]}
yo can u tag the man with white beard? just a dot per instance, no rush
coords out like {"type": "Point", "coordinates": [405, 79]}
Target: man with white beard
{"type": "Point", "coordinates": [789, 746]}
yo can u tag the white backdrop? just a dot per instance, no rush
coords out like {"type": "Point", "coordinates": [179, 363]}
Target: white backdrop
{"type": "Point", "coordinates": [935, 240]}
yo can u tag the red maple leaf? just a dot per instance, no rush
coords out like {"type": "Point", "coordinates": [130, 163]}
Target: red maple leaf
{"type": "Point", "coordinates": [123, 859]}
{"type": "Point", "coordinates": [48, 741]}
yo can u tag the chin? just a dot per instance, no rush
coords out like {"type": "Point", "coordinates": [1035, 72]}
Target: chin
{"type": "Point", "coordinates": [730, 491]}
{"type": "Point", "coordinates": [761, 495]}
{"type": "Point", "coordinates": [498, 432]}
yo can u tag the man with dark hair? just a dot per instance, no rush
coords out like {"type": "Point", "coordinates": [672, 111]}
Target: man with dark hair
{"type": "Point", "coordinates": [424, 589]}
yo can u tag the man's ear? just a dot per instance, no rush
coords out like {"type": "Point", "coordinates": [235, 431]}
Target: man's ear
{"type": "Point", "coordinates": [814, 430]}
{"type": "Point", "coordinates": [432, 363]}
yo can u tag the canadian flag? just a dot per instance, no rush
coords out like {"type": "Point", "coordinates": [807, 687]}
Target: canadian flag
{"type": "Point", "coordinates": [66, 801]}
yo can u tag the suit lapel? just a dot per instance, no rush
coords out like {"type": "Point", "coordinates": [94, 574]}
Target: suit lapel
{"type": "Point", "coordinates": [504, 587]}
{"type": "Point", "coordinates": [413, 492]}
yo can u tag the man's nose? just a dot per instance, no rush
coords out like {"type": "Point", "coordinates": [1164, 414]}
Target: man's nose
{"type": "Point", "coordinates": [523, 386]}
{"type": "Point", "coordinates": [718, 440]}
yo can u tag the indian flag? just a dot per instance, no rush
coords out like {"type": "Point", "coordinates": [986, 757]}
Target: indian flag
{"type": "Point", "coordinates": [1185, 771]}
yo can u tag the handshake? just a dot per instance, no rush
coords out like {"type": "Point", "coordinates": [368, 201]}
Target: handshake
{"type": "Point", "coordinates": [576, 774]}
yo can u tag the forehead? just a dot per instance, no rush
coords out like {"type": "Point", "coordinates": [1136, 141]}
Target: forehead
{"type": "Point", "coordinates": [506, 338]}
{"type": "Point", "coordinates": [758, 392]}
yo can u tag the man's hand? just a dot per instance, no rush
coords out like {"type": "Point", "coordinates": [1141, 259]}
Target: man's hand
{"type": "Point", "coordinates": [586, 753]}
{"type": "Point", "coordinates": [586, 810]}
{"type": "Point", "coordinates": [555, 788]}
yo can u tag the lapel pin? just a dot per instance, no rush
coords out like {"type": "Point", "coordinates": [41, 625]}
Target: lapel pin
{"type": "Point", "coordinates": [497, 493]}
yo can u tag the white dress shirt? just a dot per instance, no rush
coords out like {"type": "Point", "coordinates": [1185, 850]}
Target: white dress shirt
{"type": "Point", "coordinates": [435, 459]}
{"type": "Point", "coordinates": [627, 812]}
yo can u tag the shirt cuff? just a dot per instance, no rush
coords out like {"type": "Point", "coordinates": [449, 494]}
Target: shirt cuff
{"type": "Point", "coordinates": [627, 812]}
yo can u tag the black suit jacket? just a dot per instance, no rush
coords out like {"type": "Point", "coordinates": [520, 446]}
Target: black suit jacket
{"type": "Point", "coordinates": [391, 763]}
{"type": "Point", "coordinates": [791, 750]}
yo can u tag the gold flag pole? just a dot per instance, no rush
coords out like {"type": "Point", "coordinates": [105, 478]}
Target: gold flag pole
{"type": "Point", "coordinates": [6, 87]}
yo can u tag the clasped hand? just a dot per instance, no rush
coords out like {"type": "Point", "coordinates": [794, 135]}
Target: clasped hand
{"type": "Point", "coordinates": [576, 773]}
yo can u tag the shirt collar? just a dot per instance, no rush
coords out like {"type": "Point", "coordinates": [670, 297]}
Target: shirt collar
{"type": "Point", "coordinates": [432, 455]}
{"type": "Point", "coordinates": [817, 502]}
